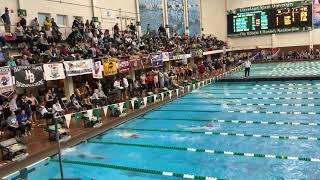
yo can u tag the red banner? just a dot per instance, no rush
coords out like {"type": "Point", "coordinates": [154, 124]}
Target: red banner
{"type": "Point", "coordinates": [124, 64]}
{"type": "Point", "coordinates": [135, 62]}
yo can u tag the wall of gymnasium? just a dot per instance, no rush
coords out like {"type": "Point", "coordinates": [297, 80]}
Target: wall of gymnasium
{"type": "Point", "coordinates": [213, 18]}
{"type": "Point", "coordinates": [85, 9]}
{"type": "Point", "coordinates": [270, 41]}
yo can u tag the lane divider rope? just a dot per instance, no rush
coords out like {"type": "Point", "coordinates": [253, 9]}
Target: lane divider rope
{"type": "Point", "coordinates": [256, 93]}
{"type": "Point", "coordinates": [257, 98]}
{"type": "Point", "coordinates": [254, 88]}
{"type": "Point", "coordinates": [215, 133]}
{"type": "Point", "coordinates": [239, 121]}
{"type": "Point", "coordinates": [249, 104]}
{"type": "Point", "coordinates": [237, 111]}
{"type": "Point", "coordinates": [139, 170]}
{"type": "Point", "coordinates": [211, 151]}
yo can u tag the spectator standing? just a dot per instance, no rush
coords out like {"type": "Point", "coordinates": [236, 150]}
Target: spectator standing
{"type": "Point", "coordinates": [125, 88]}
{"type": "Point", "coordinates": [19, 33]}
{"type": "Point", "coordinates": [47, 24]}
{"type": "Point", "coordinates": [23, 22]}
{"type": "Point", "coordinates": [118, 88]}
{"type": "Point", "coordinates": [6, 20]}
{"type": "Point", "coordinates": [116, 29]}
{"type": "Point", "coordinates": [35, 24]}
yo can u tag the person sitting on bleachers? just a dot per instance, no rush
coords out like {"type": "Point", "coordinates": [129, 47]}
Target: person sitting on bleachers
{"type": "Point", "coordinates": [65, 53]}
{"type": "Point", "coordinates": [12, 123]}
{"type": "Point", "coordinates": [75, 103]}
{"type": "Point", "coordinates": [24, 123]}
{"type": "Point", "coordinates": [57, 110]}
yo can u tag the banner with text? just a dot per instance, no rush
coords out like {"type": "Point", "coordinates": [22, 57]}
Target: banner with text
{"type": "Point", "coordinates": [97, 70]}
{"type": "Point", "coordinates": [110, 66]}
{"type": "Point", "coordinates": [54, 71]}
{"type": "Point", "coordinates": [6, 84]}
{"type": "Point", "coordinates": [124, 64]}
{"type": "Point", "coordinates": [135, 62]}
{"type": "Point", "coordinates": [156, 60]}
{"type": "Point", "coordinates": [75, 68]}
{"type": "Point", "coordinates": [29, 76]}
{"type": "Point", "coordinates": [146, 61]}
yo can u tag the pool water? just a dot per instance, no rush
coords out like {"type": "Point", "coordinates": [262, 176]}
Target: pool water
{"type": "Point", "coordinates": [304, 68]}
{"type": "Point", "coordinates": [213, 118]}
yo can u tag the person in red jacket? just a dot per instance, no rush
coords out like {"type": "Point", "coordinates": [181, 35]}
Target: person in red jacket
{"type": "Point", "coordinates": [202, 69]}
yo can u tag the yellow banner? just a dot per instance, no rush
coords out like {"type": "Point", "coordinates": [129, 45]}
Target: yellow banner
{"type": "Point", "coordinates": [110, 66]}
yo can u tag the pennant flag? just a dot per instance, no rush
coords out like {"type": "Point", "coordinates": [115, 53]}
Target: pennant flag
{"type": "Point", "coordinates": [112, 108]}
{"type": "Point", "coordinates": [105, 110]}
{"type": "Point", "coordinates": [162, 96]}
{"type": "Point", "coordinates": [126, 105]}
{"type": "Point", "coordinates": [177, 92]}
{"type": "Point", "coordinates": [132, 103]}
{"type": "Point", "coordinates": [121, 107]}
{"type": "Point", "coordinates": [90, 114]}
{"type": "Point", "coordinates": [78, 118]}
{"type": "Point", "coordinates": [145, 101]}
{"type": "Point", "coordinates": [68, 119]}
{"type": "Point", "coordinates": [155, 98]}
{"type": "Point", "coordinates": [170, 94]}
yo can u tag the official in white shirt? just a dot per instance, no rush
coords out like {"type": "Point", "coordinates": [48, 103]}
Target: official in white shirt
{"type": "Point", "coordinates": [247, 65]}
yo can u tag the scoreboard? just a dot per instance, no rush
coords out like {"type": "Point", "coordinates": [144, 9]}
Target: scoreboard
{"type": "Point", "coordinates": [269, 19]}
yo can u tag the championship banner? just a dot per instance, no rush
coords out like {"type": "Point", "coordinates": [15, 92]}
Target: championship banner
{"type": "Point", "coordinates": [110, 66]}
{"type": "Point", "coordinates": [146, 61]}
{"type": "Point", "coordinates": [97, 70]}
{"type": "Point", "coordinates": [135, 62]}
{"type": "Point", "coordinates": [124, 64]}
{"type": "Point", "coordinates": [54, 71]}
{"type": "Point", "coordinates": [28, 76]}
{"type": "Point", "coordinates": [75, 68]}
{"type": "Point", "coordinates": [156, 60]}
{"type": "Point", "coordinates": [165, 56]}
{"type": "Point", "coordinates": [6, 84]}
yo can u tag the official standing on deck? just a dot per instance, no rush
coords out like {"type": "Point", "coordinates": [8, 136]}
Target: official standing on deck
{"type": "Point", "coordinates": [247, 66]}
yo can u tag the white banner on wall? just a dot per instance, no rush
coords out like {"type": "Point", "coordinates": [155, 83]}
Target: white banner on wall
{"type": "Point", "coordinates": [75, 68]}
{"type": "Point", "coordinates": [53, 71]}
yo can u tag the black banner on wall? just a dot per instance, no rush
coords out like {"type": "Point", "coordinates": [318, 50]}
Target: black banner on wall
{"type": "Point", "coordinates": [28, 76]}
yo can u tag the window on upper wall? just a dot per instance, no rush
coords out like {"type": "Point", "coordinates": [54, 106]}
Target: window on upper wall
{"type": "Point", "coordinates": [62, 20]}
{"type": "Point", "coordinates": [42, 17]}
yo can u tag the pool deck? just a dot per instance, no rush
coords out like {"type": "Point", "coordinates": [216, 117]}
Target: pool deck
{"type": "Point", "coordinates": [39, 147]}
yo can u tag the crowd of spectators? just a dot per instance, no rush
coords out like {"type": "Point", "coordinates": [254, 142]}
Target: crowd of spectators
{"type": "Point", "coordinates": [42, 43]}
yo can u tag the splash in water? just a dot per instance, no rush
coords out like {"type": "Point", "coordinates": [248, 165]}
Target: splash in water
{"type": "Point", "coordinates": [91, 156]}
{"type": "Point", "coordinates": [208, 127]}
{"type": "Point", "coordinates": [127, 135]}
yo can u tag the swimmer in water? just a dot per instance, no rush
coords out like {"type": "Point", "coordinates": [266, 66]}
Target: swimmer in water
{"type": "Point", "coordinates": [127, 135]}
{"type": "Point", "coordinates": [261, 108]}
{"type": "Point", "coordinates": [91, 156]}
{"type": "Point", "coordinates": [208, 126]}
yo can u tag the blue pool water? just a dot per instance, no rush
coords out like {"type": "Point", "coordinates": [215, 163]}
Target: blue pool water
{"type": "Point", "coordinates": [199, 111]}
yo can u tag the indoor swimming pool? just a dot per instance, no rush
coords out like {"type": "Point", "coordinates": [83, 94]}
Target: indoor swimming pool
{"type": "Point", "coordinates": [240, 131]}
